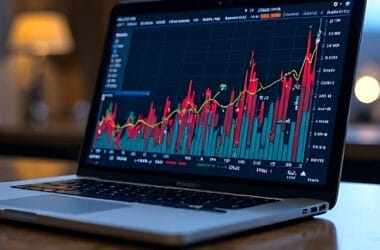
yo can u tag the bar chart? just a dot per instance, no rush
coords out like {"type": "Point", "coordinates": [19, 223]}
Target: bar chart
{"type": "Point", "coordinates": [248, 126]}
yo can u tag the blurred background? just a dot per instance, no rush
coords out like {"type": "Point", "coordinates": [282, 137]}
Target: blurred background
{"type": "Point", "coordinates": [47, 75]}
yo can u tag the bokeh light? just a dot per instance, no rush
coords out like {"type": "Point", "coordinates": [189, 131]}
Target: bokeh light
{"type": "Point", "coordinates": [367, 89]}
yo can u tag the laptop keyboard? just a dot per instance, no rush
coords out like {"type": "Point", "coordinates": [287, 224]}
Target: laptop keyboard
{"type": "Point", "coordinates": [178, 198]}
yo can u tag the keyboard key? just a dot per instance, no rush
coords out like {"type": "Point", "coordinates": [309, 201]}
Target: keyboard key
{"type": "Point", "coordinates": [178, 198]}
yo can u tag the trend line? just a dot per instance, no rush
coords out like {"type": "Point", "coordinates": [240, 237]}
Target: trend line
{"type": "Point", "coordinates": [294, 73]}
{"type": "Point", "coordinates": [246, 127]}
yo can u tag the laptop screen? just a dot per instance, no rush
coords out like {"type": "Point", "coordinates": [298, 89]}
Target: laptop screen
{"type": "Point", "coordinates": [246, 93]}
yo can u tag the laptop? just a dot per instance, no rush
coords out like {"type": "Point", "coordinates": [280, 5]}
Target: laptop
{"type": "Point", "coordinates": [209, 118]}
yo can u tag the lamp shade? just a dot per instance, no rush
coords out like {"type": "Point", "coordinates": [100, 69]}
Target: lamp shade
{"type": "Point", "coordinates": [41, 33]}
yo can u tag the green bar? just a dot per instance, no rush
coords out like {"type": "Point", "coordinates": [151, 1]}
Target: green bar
{"type": "Point", "coordinates": [243, 137]}
{"type": "Point", "coordinates": [221, 146]}
{"type": "Point", "coordinates": [163, 148]}
{"type": "Point", "coordinates": [209, 144]}
{"type": "Point", "coordinates": [230, 143]}
{"type": "Point", "coordinates": [214, 140]}
{"type": "Point", "coordinates": [291, 140]}
{"type": "Point", "coordinates": [198, 141]}
{"type": "Point", "coordinates": [267, 133]}
{"type": "Point", "coordinates": [174, 138]}
{"type": "Point", "coordinates": [264, 132]}
{"type": "Point", "coordinates": [184, 140]}
{"type": "Point", "coordinates": [284, 153]}
{"type": "Point", "coordinates": [253, 139]}
{"type": "Point", "coordinates": [276, 145]}
{"type": "Point", "coordinates": [208, 141]}
{"type": "Point", "coordinates": [270, 154]}
{"type": "Point", "coordinates": [281, 147]}
{"type": "Point", "coordinates": [303, 137]}
{"type": "Point", "coordinates": [257, 147]}
{"type": "Point", "coordinates": [123, 143]}
{"type": "Point", "coordinates": [150, 145]}
{"type": "Point", "coordinates": [261, 154]}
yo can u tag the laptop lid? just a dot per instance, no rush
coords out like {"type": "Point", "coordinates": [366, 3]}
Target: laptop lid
{"type": "Point", "coordinates": [235, 96]}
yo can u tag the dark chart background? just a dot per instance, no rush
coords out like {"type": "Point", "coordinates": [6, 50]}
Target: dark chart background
{"type": "Point", "coordinates": [164, 60]}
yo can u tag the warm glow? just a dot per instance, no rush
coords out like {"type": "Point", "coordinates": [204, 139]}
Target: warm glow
{"type": "Point", "coordinates": [367, 89]}
{"type": "Point", "coordinates": [41, 33]}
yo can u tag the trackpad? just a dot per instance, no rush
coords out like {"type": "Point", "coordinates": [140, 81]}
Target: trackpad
{"type": "Point", "coordinates": [61, 204]}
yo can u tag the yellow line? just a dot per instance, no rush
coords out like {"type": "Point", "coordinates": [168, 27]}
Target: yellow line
{"type": "Point", "coordinates": [294, 73]}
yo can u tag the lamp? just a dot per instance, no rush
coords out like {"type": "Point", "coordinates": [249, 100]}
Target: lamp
{"type": "Point", "coordinates": [38, 34]}
{"type": "Point", "coordinates": [41, 33]}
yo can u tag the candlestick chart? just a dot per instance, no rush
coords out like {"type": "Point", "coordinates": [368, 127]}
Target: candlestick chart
{"type": "Point", "coordinates": [247, 124]}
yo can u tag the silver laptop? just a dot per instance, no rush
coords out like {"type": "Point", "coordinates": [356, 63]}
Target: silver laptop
{"type": "Point", "coordinates": [209, 118]}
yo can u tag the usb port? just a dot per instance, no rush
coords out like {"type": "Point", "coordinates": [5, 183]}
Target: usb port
{"type": "Point", "coordinates": [314, 209]}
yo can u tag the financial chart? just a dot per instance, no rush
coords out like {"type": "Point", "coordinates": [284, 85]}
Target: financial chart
{"type": "Point", "coordinates": [223, 95]}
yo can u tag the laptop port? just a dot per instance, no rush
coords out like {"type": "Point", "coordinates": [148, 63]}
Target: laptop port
{"type": "Point", "coordinates": [314, 209]}
{"type": "Point", "coordinates": [322, 207]}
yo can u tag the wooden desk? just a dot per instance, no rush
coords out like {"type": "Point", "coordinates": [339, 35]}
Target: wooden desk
{"type": "Point", "coordinates": [353, 224]}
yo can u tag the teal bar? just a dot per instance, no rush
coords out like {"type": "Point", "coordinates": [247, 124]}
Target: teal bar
{"type": "Point", "coordinates": [266, 150]}
{"type": "Point", "coordinates": [198, 140]}
{"type": "Point", "coordinates": [221, 147]}
{"type": "Point", "coordinates": [300, 140]}
{"type": "Point", "coordinates": [136, 143]}
{"type": "Point", "coordinates": [184, 141]}
{"type": "Point", "coordinates": [267, 133]}
{"type": "Point", "coordinates": [137, 146]}
{"type": "Point", "coordinates": [132, 144]}
{"type": "Point", "coordinates": [209, 136]}
{"type": "Point", "coordinates": [157, 149]}
{"type": "Point", "coordinates": [291, 140]}
{"type": "Point", "coordinates": [284, 153]}
{"type": "Point", "coordinates": [303, 137]}
{"type": "Point", "coordinates": [150, 145]}
{"type": "Point", "coordinates": [218, 145]}
{"type": "Point", "coordinates": [192, 147]}
{"type": "Point", "coordinates": [162, 149]}
{"type": "Point", "coordinates": [214, 142]}
{"type": "Point", "coordinates": [276, 146]}
{"type": "Point", "coordinates": [271, 145]}
{"type": "Point", "coordinates": [208, 141]}
{"type": "Point", "coordinates": [226, 146]}
{"type": "Point", "coordinates": [142, 144]}
{"type": "Point", "coordinates": [213, 145]}
{"type": "Point", "coordinates": [261, 154]}
{"type": "Point", "coordinates": [253, 139]}
{"type": "Point", "coordinates": [127, 144]}
{"type": "Point", "coordinates": [123, 143]}
{"type": "Point", "coordinates": [257, 148]}
{"type": "Point", "coordinates": [101, 143]}
{"type": "Point", "coordinates": [243, 137]}
{"type": "Point", "coordinates": [230, 143]}
{"type": "Point", "coordinates": [263, 132]}
{"type": "Point", "coordinates": [281, 147]}
{"type": "Point", "coordinates": [174, 138]}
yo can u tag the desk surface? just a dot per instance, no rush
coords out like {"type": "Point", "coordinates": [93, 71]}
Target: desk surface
{"type": "Point", "coordinates": [353, 224]}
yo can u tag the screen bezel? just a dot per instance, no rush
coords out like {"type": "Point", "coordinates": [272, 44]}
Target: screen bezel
{"type": "Point", "coordinates": [327, 192]}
